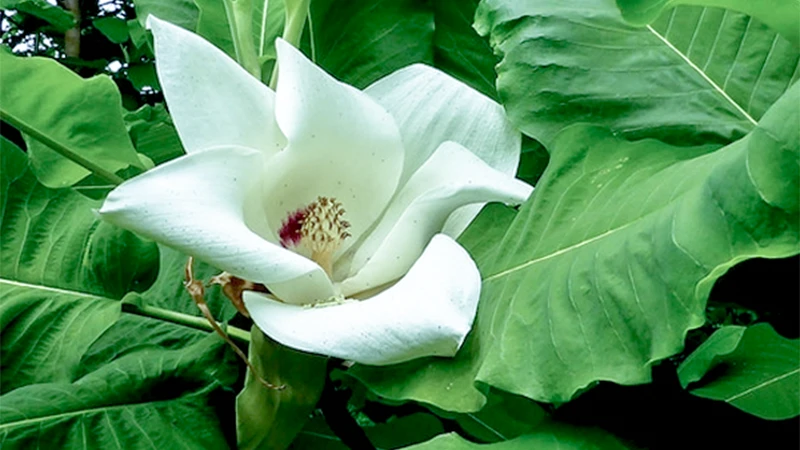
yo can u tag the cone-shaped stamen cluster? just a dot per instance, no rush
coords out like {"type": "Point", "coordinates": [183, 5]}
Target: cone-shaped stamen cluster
{"type": "Point", "coordinates": [319, 227]}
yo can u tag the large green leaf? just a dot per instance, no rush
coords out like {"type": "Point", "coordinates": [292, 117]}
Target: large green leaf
{"type": "Point", "coordinates": [610, 262]}
{"type": "Point", "coordinates": [168, 291]}
{"type": "Point", "coordinates": [52, 238]}
{"type": "Point", "coordinates": [548, 436]}
{"type": "Point", "coordinates": [504, 417]}
{"type": "Point", "coordinates": [457, 48]}
{"type": "Point", "coordinates": [183, 13]}
{"type": "Point", "coordinates": [44, 332]}
{"type": "Point", "coordinates": [693, 76]}
{"type": "Point", "coordinates": [753, 369]}
{"type": "Point", "coordinates": [153, 133]}
{"type": "Point", "coordinates": [360, 41]}
{"type": "Point", "coordinates": [53, 105]}
{"type": "Point", "coordinates": [74, 369]}
{"type": "Point", "coordinates": [782, 15]}
{"type": "Point", "coordinates": [153, 398]}
{"type": "Point", "coordinates": [56, 16]}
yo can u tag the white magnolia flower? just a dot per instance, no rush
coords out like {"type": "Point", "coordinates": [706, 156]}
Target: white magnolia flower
{"type": "Point", "coordinates": [323, 193]}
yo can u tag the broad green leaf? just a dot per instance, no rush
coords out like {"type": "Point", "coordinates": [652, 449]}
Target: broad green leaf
{"type": "Point", "coordinates": [396, 432]}
{"type": "Point", "coordinates": [548, 436]}
{"type": "Point", "coordinates": [697, 364]}
{"type": "Point", "coordinates": [268, 418]}
{"type": "Point", "coordinates": [610, 262]}
{"type": "Point", "coordinates": [61, 19]}
{"type": "Point", "coordinates": [781, 15]}
{"type": "Point", "coordinates": [114, 28]}
{"type": "Point", "coordinates": [361, 41]}
{"type": "Point", "coordinates": [152, 398]}
{"type": "Point", "coordinates": [153, 133]}
{"type": "Point", "coordinates": [758, 373]}
{"type": "Point", "coordinates": [457, 48]}
{"type": "Point", "coordinates": [696, 75]}
{"type": "Point", "coordinates": [52, 238]}
{"type": "Point", "coordinates": [74, 370]}
{"type": "Point", "coordinates": [504, 417]}
{"type": "Point", "coordinates": [44, 332]}
{"type": "Point", "coordinates": [168, 291]}
{"type": "Point", "coordinates": [183, 13]}
{"type": "Point", "coordinates": [48, 102]}
{"type": "Point", "coordinates": [143, 76]}
{"type": "Point", "coordinates": [212, 24]}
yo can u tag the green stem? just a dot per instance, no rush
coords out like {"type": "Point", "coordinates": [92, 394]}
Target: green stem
{"type": "Point", "coordinates": [198, 323]}
{"type": "Point", "coordinates": [296, 15]}
{"type": "Point", "coordinates": [240, 20]}
{"type": "Point", "coordinates": [61, 149]}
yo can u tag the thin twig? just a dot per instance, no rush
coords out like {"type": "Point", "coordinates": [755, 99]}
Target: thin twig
{"type": "Point", "coordinates": [198, 293]}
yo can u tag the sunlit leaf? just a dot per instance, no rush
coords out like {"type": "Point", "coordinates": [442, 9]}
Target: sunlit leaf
{"type": "Point", "coordinates": [50, 102]}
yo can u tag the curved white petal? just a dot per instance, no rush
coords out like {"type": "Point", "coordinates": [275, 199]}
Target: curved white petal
{"type": "Point", "coordinates": [213, 100]}
{"type": "Point", "coordinates": [342, 144]}
{"type": "Point", "coordinates": [196, 204]}
{"type": "Point", "coordinates": [451, 178]}
{"type": "Point", "coordinates": [427, 313]}
{"type": "Point", "coordinates": [431, 107]}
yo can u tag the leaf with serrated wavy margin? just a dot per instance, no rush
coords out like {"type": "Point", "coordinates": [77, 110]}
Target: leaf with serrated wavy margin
{"type": "Point", "coordinates": [682, 80]}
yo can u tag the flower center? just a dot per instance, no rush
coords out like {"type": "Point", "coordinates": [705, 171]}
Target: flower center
{"type": "Point", "coordinates": [319, 228]}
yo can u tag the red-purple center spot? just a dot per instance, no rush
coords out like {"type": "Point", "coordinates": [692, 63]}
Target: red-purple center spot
{"type": "Point", "coordinates": [289, 233]}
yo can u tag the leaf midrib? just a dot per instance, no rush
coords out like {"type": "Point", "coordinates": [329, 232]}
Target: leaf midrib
{"type": "Point", "coordinates": [705, 77]}
{"type": "Point", "coordinates": [762, 385]}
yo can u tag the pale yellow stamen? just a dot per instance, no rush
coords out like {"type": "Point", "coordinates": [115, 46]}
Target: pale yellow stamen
{"type": "Point", "coordinates": [324, 230]}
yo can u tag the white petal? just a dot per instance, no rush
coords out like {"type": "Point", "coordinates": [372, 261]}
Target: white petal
{"type": "Point", "coordinates": [213, 100]}
{"type": "Point", "coordinates": [431, 107]}
{"type": "Point", "coordinates": [197, 204]}
{"type": "Point", "coordinates": [427, 313]}
{"type": "Point", "coordinates": [342, 144]}
{"type": "Point", "coordinates": [451, 178]}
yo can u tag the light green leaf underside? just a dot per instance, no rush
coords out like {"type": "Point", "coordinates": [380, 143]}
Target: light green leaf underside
{"type": "Point", "coordinates": [83, 116]}
{"type": "Point", "coordinates": [697, 364]}
{"type": "Point", "coordinates": [56, 16]}
{"type": "Point", "coordinates": [780, 15]}
{"type": "Point", "coordinates": [610, 263]}
{"type": "Point", "coordinates": [759, 375]}
{"type": "Point", "coordinates": [681, 80]}
{"type": "Point", "coordinates": [548, 436]}
{"type": "Point", "coordinates": [51, 238]}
